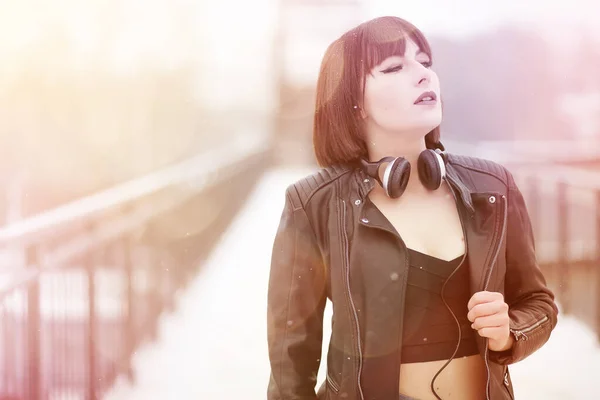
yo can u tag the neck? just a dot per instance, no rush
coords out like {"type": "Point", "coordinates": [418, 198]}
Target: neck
{"type": "Point", "coordinates": [408, 145]}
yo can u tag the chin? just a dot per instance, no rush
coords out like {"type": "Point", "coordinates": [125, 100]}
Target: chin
{"type": "Point", "coordinates": [424, 125]}
{"type": "Point", "coordinates": [431, 122]}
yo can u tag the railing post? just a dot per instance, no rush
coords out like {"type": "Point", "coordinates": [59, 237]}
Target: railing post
{"type": "Point", "coordinates": [34, 361]}
{"type": "Point", "coordinates": [563, 246]}
{"type": "Point", "coordinates": [92, 330]}
{"type": "Point", "coordinates": [596, 266]}
{"type": "Point", "coordinates": [153, 293]}
{"type": "Point", "coordinates": [169, 285]}
{"type": "Point", "coordinates": [8, 360]}
{"type": "Point", "coordinates": [129, 326]}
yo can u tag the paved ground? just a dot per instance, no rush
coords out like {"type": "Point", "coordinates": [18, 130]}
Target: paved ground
{"type": "Point", "coordinates": [214, 345]}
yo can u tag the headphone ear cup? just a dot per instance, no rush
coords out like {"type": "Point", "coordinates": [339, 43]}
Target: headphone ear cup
{"type": "Point", "coordinates": [372, 168]}
{"type": "Point", "coordinates": [430, 170]}
{"type": "Point", "coordinates": [398, 178]}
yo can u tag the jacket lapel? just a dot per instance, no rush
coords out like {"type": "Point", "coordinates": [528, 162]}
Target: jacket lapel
{"type": "Point", "coordinates": [481, 216]}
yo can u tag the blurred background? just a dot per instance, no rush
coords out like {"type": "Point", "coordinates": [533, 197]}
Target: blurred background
{"type": "Point", "coordinates": [145, 147]}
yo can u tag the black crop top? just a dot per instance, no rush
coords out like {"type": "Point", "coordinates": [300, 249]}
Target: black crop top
{"type": "Point", "coordinates": [430, 332]}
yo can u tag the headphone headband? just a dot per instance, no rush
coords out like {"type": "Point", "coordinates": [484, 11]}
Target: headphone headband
{"type": "Point", "coordinates": [431, 167]}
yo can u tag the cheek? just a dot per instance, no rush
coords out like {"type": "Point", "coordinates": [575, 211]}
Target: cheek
{"type": "Point", "coordinates": [385, 99]}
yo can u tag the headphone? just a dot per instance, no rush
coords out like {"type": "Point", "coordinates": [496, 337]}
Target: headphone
{"type": "Point", "coordinates": [430, 165]}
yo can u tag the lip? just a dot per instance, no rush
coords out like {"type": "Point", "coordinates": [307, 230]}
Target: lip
{"type": "Point", "coordinates": [426, 94]}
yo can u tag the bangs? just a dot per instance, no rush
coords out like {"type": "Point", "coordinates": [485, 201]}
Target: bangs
{"type": "Point", "coordinates": [375, 52]}
{"type": "Point", "coordinates": [385, 37]}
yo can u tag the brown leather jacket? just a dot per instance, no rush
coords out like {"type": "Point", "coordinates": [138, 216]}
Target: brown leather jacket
{"type": "Point", "coordinates": [328, 232]}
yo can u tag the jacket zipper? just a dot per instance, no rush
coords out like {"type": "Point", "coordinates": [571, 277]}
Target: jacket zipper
{"type": "Point", "coordinates": [404, 282]}
{"type": "Point", "coordinates": [522, 333]}
{"type": "Point", "coordinates": [332, 383]}
{"type": "Point", "coordinates": [465, 255]}
{"type": "Point", "coordinates": [487, 281]}
{"type": "Point", "coordinates": [347, 262]}
{"type": "Point", "coordinates": [507, 383]}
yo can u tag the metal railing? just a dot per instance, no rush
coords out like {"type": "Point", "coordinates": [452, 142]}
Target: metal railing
{"type": "Point", "coordinates": [564, 206]}
{"type": "Point", "coordinates": [83, 285]}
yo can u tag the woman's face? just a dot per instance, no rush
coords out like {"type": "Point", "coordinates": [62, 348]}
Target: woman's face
{"type": "Point", "coordinates": [393, 88]}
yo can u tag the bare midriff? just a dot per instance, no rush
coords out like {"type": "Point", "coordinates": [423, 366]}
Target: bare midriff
{"type": "Point", "coordinates": [465, 378]}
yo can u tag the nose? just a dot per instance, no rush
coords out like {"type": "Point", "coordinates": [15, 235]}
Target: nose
{"type": "Point", "coordinates": [423, 76]}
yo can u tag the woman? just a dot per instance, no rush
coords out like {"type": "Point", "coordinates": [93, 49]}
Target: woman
{"type": "Point", "coordinates": [427, 257]}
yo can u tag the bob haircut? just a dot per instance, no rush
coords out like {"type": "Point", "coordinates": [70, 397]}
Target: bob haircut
{"type": "Point", "coordinates": [337, 126]}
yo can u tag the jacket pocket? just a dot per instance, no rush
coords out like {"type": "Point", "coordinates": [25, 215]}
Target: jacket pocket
{"type": "Point", "coordinates": [332, 384]}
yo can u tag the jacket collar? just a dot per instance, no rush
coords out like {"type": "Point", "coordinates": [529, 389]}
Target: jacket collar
{"type": "Point", "coordinates": [463, 190]}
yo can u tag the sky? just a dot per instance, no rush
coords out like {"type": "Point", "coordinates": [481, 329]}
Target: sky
{"type": "Point", "coordinates": [146, 25]}
{"type": "Point", "coordinates": [561, 22]}
{"type": "Point", "coordinates": [232, 40]}
{"type": "Point", "coordinates": [467, 17]}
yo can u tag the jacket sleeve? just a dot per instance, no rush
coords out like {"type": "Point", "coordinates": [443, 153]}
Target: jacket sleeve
{"type": "Point", "coordinates": [296, 300]}
{"type": "Point", "coordinates": [533, 313]}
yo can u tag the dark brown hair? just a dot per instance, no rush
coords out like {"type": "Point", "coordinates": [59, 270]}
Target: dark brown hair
{"type": "Point", "coordinates": [337, 135]}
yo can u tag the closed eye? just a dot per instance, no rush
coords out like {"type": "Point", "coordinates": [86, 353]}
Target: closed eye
{"type": "Point", "coordinates": [426, 64]}
{"type": "Point", "coordinates": [392, 69]}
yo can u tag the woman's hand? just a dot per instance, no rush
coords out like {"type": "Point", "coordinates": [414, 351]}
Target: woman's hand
{"type": "Point", "coordinates": [489, 314]}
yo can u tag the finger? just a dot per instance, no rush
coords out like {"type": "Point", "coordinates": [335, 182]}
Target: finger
{"type": "Point", "coordinates": [492, 321]}
{"type": "Point", "coordinates": [483, 297]}
{"type": "Point", "coordinates": [483, 309]}
{"type": "Point", "coordinates": [491, 332]}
